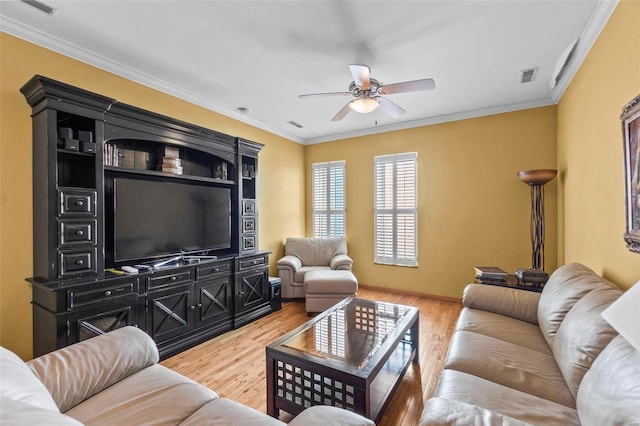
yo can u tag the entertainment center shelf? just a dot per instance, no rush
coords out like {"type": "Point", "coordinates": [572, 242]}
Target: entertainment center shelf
{"type": "Point", "coordinates": [116, 186]}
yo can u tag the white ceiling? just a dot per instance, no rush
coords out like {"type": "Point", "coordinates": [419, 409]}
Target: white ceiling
{"type": "Point", "coordinates": [262, 54]}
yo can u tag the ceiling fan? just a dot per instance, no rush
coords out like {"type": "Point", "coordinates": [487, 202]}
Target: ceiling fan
{"type": "Point", "coordinates": [368, 93]}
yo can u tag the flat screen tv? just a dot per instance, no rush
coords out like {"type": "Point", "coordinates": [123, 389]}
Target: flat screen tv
{"type": "Point", "coordinates": [152, 219]}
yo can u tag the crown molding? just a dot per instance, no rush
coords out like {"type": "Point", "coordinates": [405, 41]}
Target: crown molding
{"type": "Point", "coordinates": [464, 115]}
{"type": "Point", "coordinates": [71, 50]}
{"type": "Point", "coordinates": [597, 21]}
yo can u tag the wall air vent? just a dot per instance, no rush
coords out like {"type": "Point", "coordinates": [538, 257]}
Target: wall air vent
{"type": "Point", "coordinates": [528, 75]}
{"type": "Point", "coordinates": [293, 123]}
{"type": "Point", "coordinates": [41, 6]}
{"type": "Point", "coordinates": [562, 63]}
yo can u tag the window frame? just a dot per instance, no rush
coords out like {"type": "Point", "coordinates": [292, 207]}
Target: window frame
{"type": "Point", "coordinates": [394, 258]}
{"type": "Point", "coordinates": [328, 213]}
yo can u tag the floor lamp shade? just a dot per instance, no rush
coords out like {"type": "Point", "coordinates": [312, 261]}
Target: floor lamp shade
{"type": "Point", "coordinates": [624, 315]}
{"type": "Point", "coordinates": [536, 179]}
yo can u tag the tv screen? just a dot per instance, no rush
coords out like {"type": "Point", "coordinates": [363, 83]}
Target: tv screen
{"type": "Point", "coordinates": [157, 218]}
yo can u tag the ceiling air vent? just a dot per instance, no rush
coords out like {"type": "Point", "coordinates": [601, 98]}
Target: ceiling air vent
{"type": "Point", "coordinates": [294, 124]}
{"type": "Point", "coordinates": [528, 75]}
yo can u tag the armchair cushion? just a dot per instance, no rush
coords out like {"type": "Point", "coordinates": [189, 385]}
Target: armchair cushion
{"type": "Point", "coordinates": [77, 372]}
{"type": "Point", "coordinates": [315, 251]}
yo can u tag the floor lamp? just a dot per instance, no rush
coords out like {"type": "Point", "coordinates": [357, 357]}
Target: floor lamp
{"type": "Point", "coordinates": [536, 179]}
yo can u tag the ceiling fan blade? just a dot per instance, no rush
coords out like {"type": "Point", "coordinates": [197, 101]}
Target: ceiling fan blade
{"type": "Point", "coordinates": [390, 108]}
{"type": "Point", "coordinates": [408, 86]}
{"type": "Point", "coordinates": [317, 95]}
{"type": "Point", "coordinates": [342, 113]}
{"type": "Point", "coordinates": [360, 74]}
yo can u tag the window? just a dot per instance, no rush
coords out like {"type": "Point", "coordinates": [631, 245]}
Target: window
{"type": "Point", "coordinates": [328, 199]}
{"type": "Point", "coordinates": [396, 209]}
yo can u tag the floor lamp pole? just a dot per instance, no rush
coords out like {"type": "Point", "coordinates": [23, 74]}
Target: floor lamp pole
{"type": "Point", "coordinates": [537, 179]}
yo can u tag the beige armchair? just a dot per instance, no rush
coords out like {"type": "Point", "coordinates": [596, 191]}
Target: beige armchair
{"type": "Point", "coordinates": [310, 254]}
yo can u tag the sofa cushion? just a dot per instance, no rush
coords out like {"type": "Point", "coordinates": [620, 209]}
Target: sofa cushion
{"type": "Point", "coordinates": [13, 412]}
{"type": "Point", "coordinates": [153, 395]}
{"type": "Point", "coordinates": [325, 415]}
{"type": "Point", "coordinates": [610, 391]}
{"type": "Point", "coordinates": [222, 411]}
{"type": "Point", "coordinates": [18, 383]}
{"type": "Point", "coordinates": [522, 406]}
{"type": "Point", "coordinates": [568, 284]}
{"type": "Point", "coordinates": [521, 333]}
{"type": "Point", "coordinates": [315, 251]}
{"type": "Point", "coordinates": [76, 372]}
{"type": "Point", "coordinates": [511, 302]}
{"type": "Point", "coordinates": [508, 364]}
{"type": "Point", "coordinates": [448, 412]}
{"type": "Point", "coordinates": [583, 334]}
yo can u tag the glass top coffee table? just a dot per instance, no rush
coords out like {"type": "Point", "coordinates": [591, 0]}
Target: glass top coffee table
{"type": "Point", "coordinates": [351, 356]}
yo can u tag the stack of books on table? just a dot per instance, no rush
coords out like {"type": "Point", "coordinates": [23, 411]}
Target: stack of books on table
{"type": "Point", "coordinates": [490, 274]}
{"type": "Point", "coordinates": [533, 277]}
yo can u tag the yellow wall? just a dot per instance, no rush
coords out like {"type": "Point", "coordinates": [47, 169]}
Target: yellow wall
{"type": "Point", "coordinates": [472, 209]}
{"type": "Point", "coordinates": [590, 151]}
{"type": "Point", "coordinates": [281, 169]}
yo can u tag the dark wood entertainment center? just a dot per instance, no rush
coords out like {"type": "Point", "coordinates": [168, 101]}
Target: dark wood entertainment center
{"type": "Point", "coordinates": [82, 143]}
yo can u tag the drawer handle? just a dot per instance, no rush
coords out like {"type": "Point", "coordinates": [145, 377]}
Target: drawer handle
{"type": "Point", "coordinates": [216, 269]}
{"type": "Point", "coordinates": [107, 293]}
{"type": "Point", "coordinates": [79, 203]}
{"type": "Point", "coordinates": [79, 232]}
{"type": "Point", "coordinates": [255, 262]}
{"type": "Point", "coordinates": [79, 262]}
{"type": "Point", "coordinates": [174, 278]}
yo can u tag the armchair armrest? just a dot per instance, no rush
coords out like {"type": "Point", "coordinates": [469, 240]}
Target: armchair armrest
{"type": "Point", "coordinates": [326, 415]}
{"type": "Point", "coordinates": [77, 372]}
{"type": "Point", "coordinates": [514, 303]}
{"type": "Point", "coordinates": [446, 412]}
{"type": "Point", "coordinates": [289, 262]}
{"type": "Point", "coordinates": [341, 261]}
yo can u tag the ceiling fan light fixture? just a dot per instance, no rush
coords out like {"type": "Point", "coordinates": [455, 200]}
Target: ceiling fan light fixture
{"type": "Point", "coordinates": [364, 104]}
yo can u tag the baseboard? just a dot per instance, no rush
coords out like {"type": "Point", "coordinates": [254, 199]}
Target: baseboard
{"type": "Point", "coordinates": [412, 293]}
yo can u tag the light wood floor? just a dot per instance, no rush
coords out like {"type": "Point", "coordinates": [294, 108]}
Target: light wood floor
{"type": "Point", "coordinates": [233, 364]}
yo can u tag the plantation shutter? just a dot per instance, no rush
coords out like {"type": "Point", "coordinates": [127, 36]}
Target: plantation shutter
{"type": "Point", "coordinates": [328, 199]}
{"type": "Point", "coordinates": [396, 209]}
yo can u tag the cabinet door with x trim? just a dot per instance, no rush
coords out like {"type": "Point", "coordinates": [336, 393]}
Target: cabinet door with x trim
{"type": "Point", "coordinates": [172, 312]}
{"type": "Point", "coordinates": [252, 290]}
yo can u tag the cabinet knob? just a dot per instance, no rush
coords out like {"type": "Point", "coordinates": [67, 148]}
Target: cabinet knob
{"type": "Point", "coordinates": [79, 262]}
{"type": "Point", "coordinates": [241, 293]}
{"type": "Point", "coordinates": [216, 269]}
{"type": "Point", "coordinates": [192, 307]}
{"type": "Point", "coordinates": [79, 232]}
{"type": "Point", "coordinates": [107, 293]}
{"type": "Point", "coordinates": [79, 203]}
{"type": "Point", "coordinates": [199, 305]}
{"type": "Point", "coordinates": [174, 278]}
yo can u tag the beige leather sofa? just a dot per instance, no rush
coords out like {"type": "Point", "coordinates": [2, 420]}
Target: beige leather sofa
{"type": "Point", "coordinates": [519, 357]}
{"type": "Point", "coordinates": [115, 379]}
{"type": "Point", "coordinates": [302, 255]}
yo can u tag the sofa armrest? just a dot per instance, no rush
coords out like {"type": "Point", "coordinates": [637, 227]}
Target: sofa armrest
{"type": "Point", "coordinates": [341, 261]}
{"type": "Point", "coordinates": [514, 303]}
{"type": "Point", "coordinates": [77, 372]}
{"type": "Point", "coordinates": [289, 262]}
{"type": "Point", "coordinates": [325, 415]}
{"type": "Point", "coordinates": [446, 412]}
